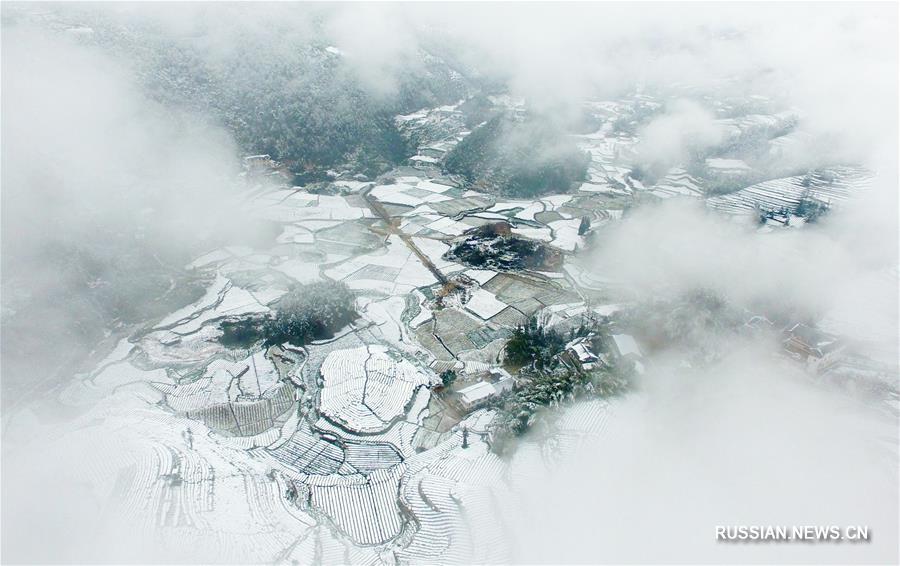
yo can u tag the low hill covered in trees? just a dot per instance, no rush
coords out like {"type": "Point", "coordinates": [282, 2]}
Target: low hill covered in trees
{"type": "Point", "coordinates": [307, 312]}
{"type": "Point", "coordinates": [516, 157]}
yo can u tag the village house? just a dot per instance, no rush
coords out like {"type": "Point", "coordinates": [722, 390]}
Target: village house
{"type": "Point", "coordinates": [258, 163]}
{"type": "Point", "coordinates": [624, 347]}
{"type": "Point", "coordinates": [501, 379]}
{"type": "Point", "coordinates": [264, 165]}
{"type": "Point", "coordinates": [817, 349]}
{"type": "Point", "coordinates": [476, 395]}
{"type": "Point", "coordinates": [497, 381]}
{"type": "Point", "coordinates": [579, 353]}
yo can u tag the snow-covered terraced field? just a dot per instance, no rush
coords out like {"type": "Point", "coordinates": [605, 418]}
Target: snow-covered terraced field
{"type": "Point", "coordinates": [677, 183]}
{"type": "Point", "coordinates": [366, 457]}
{"type": "Point", "coordinates": [447, 492]}
{"type": "Point", "coordinates": [307, 453]}
{"type": "Point", "coordinates": [365, 389]}
{"type": "Point", "coordinates": [346, 456]}
{"type": "Point", "coordinates": [830, 186]}
{"type": "Point", "coordinates": [363, 507]}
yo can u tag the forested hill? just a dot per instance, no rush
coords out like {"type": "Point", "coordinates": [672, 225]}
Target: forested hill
{"type": "Point", "coordinates": [298, 99]}
{"type": "Point", "coordinates": [521, 156]}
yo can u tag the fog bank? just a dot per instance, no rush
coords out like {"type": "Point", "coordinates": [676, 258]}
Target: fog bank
{"type": "Point", "coordinates": [748, 441]}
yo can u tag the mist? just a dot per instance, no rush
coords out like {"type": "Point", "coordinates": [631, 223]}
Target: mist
{"type": "Point", "coordinates": [749, 438]}
{"type": "Point", "coordinates": [124, 128]}
{"type": "Point", "coordinates": [669, 139]}
{"type": "Point", "coordinates": [747, 441]}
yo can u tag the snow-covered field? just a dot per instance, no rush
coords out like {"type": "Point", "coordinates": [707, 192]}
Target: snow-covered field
{"type": "Point", "coordinates": [365, 389]}
{"type": "Point", "coordinates": [322, 453]}
{"type": "Point", "coordinates": [832, 186]}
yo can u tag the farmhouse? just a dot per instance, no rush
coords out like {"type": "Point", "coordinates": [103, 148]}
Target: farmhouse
{"type": "Point", "coordinates": [256, 163]}
{"type": "Point", "coordinates": [502, 381]}
{"type": "Point", "coordinates": [814, 347]}
{"type": "Point", "coordinates": [624, 346]}
{"type": "Point", "coordinates": [476, 395]}
{"type": "Point", "coordinates": [496, 382]}
{"type": "Point", "coordinates": [580, 353]}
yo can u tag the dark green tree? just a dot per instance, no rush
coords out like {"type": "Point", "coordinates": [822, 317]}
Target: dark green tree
{"type": "Point", "coordinates": [307, 312]}
{"type": "Point", "coordinates": [584, 226]}
{"type": "Point", "coordinates": [448, 377]}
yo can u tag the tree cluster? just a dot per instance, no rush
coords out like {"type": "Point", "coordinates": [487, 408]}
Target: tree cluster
{"type": "Point", "coordinates": [448, 377]}
{"type": "Point", "coordinates": [290, 98]}
{"type": "Point", "coordinates": [534, 345]}
{"type": "Point", "coordinates": [810, 207]}
{"type": "Point", "coordinates": [541, 389]}
{"type": "Point", "coordinates": [521, 158]}
{"type": "Point", "coordinates": [307, 312]}
{"type": "Point", "coordinates": [501, 252]}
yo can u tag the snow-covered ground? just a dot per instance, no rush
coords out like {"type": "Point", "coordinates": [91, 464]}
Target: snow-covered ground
{"type": "Point", "coordinates": [323, 453]}
{"type": "Point", "coordinates": [365, 389]}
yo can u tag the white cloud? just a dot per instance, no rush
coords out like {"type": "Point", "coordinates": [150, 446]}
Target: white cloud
{"type": "Point", "coordinates": [668, 138]}
{"type": "Point", "coordinates": [744, 442]}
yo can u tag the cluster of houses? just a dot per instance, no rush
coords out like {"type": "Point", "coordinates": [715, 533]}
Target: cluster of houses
{"type": "Point", "coordinates": [582, 354]}
{"type": "Point", "coordinates": [817, 350]}
{"type": "Point", "coordinates": [591, 352]}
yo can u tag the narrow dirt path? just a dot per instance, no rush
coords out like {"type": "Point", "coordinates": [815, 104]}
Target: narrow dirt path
{"type": "Point", "coordinates": [379, 209]}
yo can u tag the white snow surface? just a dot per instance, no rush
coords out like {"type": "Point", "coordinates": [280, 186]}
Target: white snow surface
{"type": "Point", "coordinates": [365, 389]}
{"type": "Point", "coordinates": [484, 304]}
